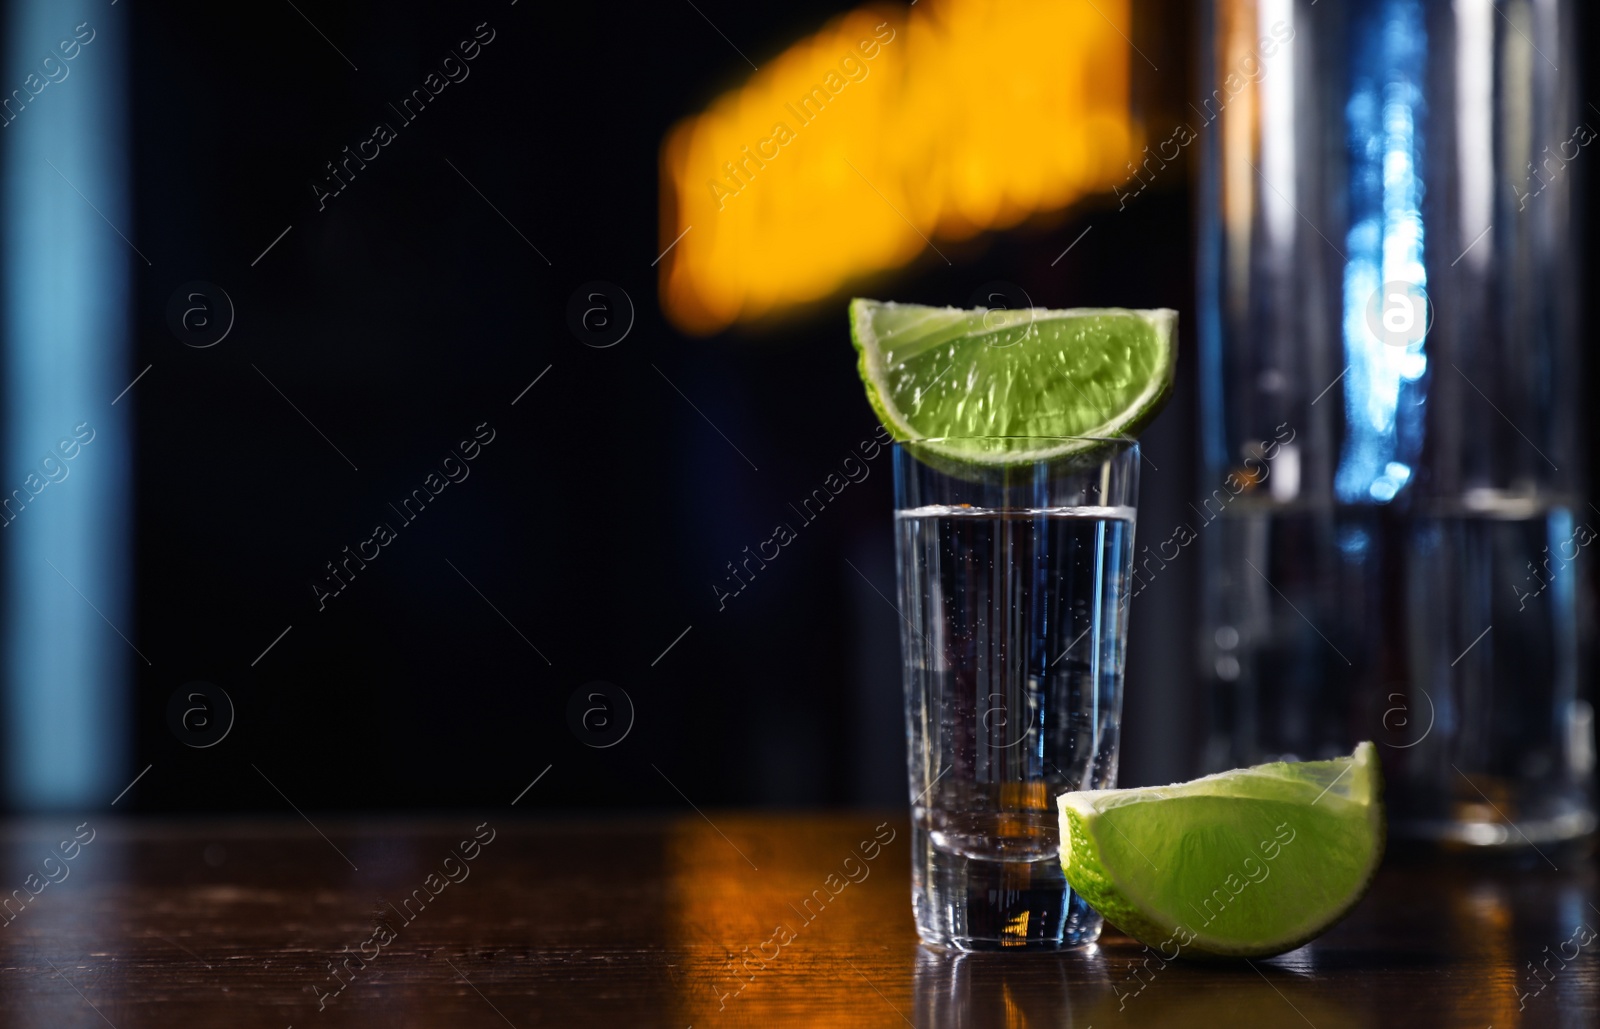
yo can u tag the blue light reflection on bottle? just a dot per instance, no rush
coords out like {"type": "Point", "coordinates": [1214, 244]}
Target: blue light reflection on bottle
{"type": "Point", "coordinates": [1386, 122]}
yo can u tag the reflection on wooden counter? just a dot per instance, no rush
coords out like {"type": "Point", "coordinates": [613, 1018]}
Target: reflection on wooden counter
{"type": "Point", "coordinates": [744, 921]}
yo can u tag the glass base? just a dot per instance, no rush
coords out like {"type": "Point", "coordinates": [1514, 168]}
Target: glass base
{"type": "Point", "coordinates": [1524, 833]}
{"type": "Point", "coordinates": [971, 904]}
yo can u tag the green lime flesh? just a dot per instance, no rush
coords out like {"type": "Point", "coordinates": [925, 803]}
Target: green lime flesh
{"type": "Point", "coordinates": [1006, 386]}
{"type": "Point", "coordinates": [1246, 863]}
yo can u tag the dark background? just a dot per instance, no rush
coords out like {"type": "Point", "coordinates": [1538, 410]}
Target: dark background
{"type": "Point", "coordinates": [408, 312]}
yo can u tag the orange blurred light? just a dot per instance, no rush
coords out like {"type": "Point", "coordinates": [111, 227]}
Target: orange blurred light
{"type": "Point", "coordinates": [855, 150]}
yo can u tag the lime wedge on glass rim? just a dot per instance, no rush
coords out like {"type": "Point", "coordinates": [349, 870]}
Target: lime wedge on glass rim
{"type": "Point", "coordinates": [1004, 387]}
{"type": "Point", "coordinates": [1247, 863]}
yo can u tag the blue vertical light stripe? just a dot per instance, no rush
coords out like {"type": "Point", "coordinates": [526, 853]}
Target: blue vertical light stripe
{"type": "Point", "coordinates": [1385, 119]}
{"type": "Point", "coordinates": [65, 337]}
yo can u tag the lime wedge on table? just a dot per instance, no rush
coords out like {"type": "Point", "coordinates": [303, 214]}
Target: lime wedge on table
{"type": "Point", "coordinates": [1245, 863]}
{"type": "Point", "coordinates": [1031, 375]}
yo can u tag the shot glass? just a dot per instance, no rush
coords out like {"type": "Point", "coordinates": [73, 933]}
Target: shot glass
{"type": "Point", "coordinates": [1014, 586]}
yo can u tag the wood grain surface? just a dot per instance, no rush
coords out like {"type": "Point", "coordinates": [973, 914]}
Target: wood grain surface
{"type": "Point", "coordinates": [486, 921]}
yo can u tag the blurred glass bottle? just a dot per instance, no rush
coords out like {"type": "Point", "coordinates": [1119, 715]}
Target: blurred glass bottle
{"type": "Point", "coordinates": [1395, 544]}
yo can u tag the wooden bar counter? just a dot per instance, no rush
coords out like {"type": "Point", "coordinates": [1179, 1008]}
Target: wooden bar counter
{"type": "Point", "coordinates": [488, 920]}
